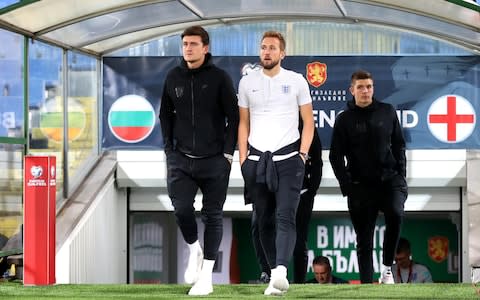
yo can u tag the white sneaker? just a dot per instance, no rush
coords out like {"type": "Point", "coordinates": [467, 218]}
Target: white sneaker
{"type": "Point", "coordinates": [279, 279]}
{"type": "Point", "coordinates": [202, 287]}
{"type": "Point", "coordinates": [194, 266]}
{"type": "Point", "coordinates": [386, 277]}
{"type": "Point", "coordinates": [280, 283]}
{"type": "Point", "coordinates": [271, 291]}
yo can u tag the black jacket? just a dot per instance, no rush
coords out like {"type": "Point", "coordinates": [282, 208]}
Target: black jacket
{"type": "Point", "coordinates": [313, 167]}
{"type": "Point", "coordinates": [199, 110]}
{"type": "Point", "coordinates": [371, 140]}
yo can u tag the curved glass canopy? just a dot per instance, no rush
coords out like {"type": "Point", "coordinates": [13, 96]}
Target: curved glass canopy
{"type": "Point", "coordinates": [100, 27]}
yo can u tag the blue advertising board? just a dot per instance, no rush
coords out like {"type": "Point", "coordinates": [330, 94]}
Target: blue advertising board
{"type": "Point", "coordinates": [436, 97]}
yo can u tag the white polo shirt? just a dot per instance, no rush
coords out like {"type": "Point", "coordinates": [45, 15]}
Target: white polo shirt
{"type": "Point", "coordinates": [273, 103]}
{"type": "Point", "coordinates": [417, 274]}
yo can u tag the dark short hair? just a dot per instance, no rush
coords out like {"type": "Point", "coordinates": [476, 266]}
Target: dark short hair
{"type": "Point", "coordinates": [198, 31]}
{"type": "Point", "coordinates": [403, 246]}
{"type": "Point", "coordinates": [278, 35]}
{"type": "Point", "coordinates": [322, 260]}
{"type": "Point", "coordinates": [360, 74]}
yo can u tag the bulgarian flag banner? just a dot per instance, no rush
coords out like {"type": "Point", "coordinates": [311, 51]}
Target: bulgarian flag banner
{"type": "Point", "coordinates": [52, 119]}
{"type": "Point", "coordinates": [131, 118]}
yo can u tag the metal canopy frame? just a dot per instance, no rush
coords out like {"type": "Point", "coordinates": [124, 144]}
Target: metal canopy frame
{"type": "Point", "coordinates": [100, 27]}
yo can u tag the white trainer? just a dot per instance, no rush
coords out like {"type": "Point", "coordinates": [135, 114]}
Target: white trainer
{"type": "Point", "coordinates": [202, 287]}
{"type": "Point", "coordinates": [386, 277]}
{"type": "Point", "coordinates": [271, 291]}
{"type": "Point", "coordinates": [279, 278]}
{"type": "Point", "coordinates": [194, 266]}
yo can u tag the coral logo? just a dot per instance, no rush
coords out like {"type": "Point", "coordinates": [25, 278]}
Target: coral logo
{"type": "Point", "coordinates": [316, 73]}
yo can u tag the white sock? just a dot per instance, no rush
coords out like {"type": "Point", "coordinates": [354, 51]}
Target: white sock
{"type": "Point", "coordinates": [387, 268]}
{"type": "Point", "coordinates": [194, 246]}
{"type": "Point", "coordinates": [281, 270]}
{"type": "Point", "coordinates": [194, 263]}
{"type": "Point", "coordinates": [207, 268]}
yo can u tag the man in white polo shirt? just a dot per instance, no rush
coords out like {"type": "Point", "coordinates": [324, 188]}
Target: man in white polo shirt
{"type": "Point", "coordinates": [405, 270]}
{"type": "Point", "coordinates": [273, 152]}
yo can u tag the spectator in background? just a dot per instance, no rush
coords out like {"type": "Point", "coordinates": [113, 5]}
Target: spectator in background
{"type": "Point", "coordinates": [405, 270]}
{"type": "Point", "coordinates": [323, 272]}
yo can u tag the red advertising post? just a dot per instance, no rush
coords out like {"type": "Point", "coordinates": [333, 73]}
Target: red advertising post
{"type": "Point", "coordinates": [39, 220]}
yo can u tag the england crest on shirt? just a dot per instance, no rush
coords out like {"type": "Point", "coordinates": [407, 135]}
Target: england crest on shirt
{"type": "Point", "coordinates": [285, 89]}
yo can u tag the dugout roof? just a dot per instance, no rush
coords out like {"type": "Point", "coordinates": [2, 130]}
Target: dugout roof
{"type": "Point", "coordinates": [102, 26]}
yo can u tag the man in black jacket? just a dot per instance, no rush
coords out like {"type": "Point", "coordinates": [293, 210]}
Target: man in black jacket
{"type": "Point", "coordinates": [369, 136]}
{"type": "Point", "coordinates": [199, 120]}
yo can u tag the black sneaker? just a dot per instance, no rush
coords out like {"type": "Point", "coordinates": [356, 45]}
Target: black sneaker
{"type": "Point", "coordinates": [264, 278]}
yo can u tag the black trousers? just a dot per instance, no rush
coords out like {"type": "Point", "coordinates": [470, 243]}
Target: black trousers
{"type": "Point", "coordinates": [278, 237]}
{"type": "Point", "coordinates": [364, 203]}
{"type": "Point", "coordinates": [185, 176]}
{"type": "Point", "coordinates": [257, 244]}
{"type": "Point", "coordinates": [300, 252]}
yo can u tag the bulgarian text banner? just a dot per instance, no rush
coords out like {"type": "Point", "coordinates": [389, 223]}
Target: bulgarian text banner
{"type": "Point", "coordinates": [437, 98]}
{"type": "Point", "coordinates": [434, 243]}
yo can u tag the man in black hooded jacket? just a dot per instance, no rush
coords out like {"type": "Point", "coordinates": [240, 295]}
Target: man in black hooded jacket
{"type": "Point", "coordinates": [199, 120]}
{"type": "Point", "coordinates": [373, 178]}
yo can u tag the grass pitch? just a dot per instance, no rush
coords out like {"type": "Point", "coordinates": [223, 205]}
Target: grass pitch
{"type": "Point", "coordinates": [13, 290]}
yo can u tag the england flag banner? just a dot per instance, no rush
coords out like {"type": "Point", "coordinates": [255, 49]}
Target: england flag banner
{"type": "Point", "coordinates": [436, 97]}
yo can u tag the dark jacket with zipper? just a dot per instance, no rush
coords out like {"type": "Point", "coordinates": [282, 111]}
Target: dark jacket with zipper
{"type": "Point", "coordinates": [313, 166]}
{"type": "Point", "coordinates": [372, 142]}
{"type": "Point", "coordinates": [199, 110]}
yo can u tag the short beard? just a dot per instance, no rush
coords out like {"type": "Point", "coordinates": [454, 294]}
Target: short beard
{"type": "Point", "coordinates": [270, 66]}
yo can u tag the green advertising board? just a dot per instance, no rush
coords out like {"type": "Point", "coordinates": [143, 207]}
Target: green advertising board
{"type": "Point", "coordinates": [433, 238]}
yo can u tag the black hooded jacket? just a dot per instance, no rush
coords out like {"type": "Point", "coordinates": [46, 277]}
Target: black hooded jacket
{"type": "Point", "coordinates": [313, 166]}
{"type": "Point", "coordinates": [199, 110]}
{"type": "Point", "coordinates": [372, 142]}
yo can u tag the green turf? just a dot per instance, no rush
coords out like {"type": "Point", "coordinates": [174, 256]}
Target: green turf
{"type": "Point", "coordinates": [11, 290]}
